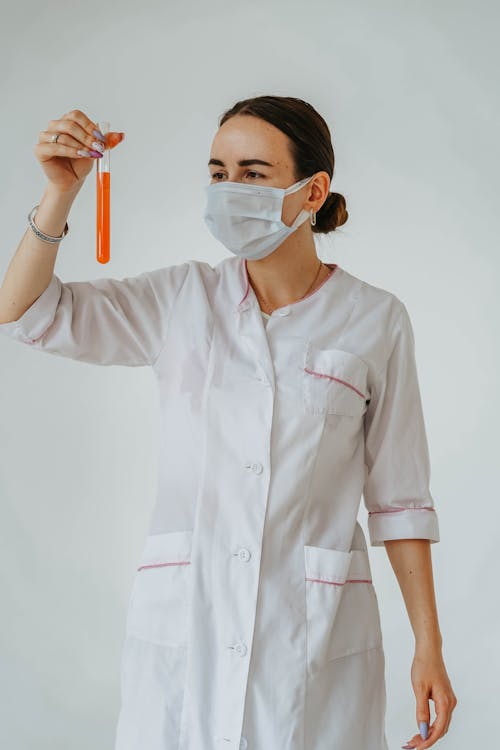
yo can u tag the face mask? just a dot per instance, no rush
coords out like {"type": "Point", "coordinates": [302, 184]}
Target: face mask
{"type": "Point", "coordinates": [247, 218]}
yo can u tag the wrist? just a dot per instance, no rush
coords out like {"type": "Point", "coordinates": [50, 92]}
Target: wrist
{"type": "Point", "coordinates": [50, 218]}
{"type": "Point", "coordinates": [57, 193]}
{"type": "Point", "coordinates": [429, 643]}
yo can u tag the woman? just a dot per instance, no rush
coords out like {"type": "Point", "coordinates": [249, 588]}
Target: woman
{"type": "Point", "coordinates": [288, 391]}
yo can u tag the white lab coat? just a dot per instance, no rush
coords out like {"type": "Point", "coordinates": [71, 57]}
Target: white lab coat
{"type": "Point", "coordinates": [253, 621]}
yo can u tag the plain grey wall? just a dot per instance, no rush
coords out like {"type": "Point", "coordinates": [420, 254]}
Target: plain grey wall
{"type": "Point", "coordinates": [410, 94]}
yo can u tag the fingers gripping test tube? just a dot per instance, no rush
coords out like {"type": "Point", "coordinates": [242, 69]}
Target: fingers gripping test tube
{"type": "Point", "coordinates": [103, 184]}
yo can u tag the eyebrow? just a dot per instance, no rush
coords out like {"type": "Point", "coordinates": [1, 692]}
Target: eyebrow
{"type": "Point", "coordinates": [242, 163]}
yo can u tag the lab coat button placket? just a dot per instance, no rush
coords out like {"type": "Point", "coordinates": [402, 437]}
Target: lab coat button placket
{"type": "Point", "coordinates": [284, 311]}
{"type": "Point", "coordinates": [243, 743]}
{"type": "Point", "coordinates": [252, 332]}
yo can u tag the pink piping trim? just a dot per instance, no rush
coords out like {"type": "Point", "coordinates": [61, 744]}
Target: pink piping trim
{"type": "Point", "coordinates": [247, 281]}
{"type": "Point", "coordinates": [161, 565]}
{"type": "Point", "coordinates": [33, 341]}
{"type": "Point", "coordinates": [339, 583]}
{"type": "Point", "coordinates": [332, 377]}
{"type": "Point", "coordinates": [397, 510]}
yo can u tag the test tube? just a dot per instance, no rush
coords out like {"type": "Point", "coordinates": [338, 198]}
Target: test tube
{"type": "Point", "coordinates": [103, 176]}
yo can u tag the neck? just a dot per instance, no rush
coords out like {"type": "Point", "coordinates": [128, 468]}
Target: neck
{"type": "Point", "coordinates": [285, 275]}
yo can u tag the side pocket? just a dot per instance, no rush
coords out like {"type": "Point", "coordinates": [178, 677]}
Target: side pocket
{"type": "Point", "coordinates": [159, 603]}
{"type": "Point", "coordinates": [325, 576]}
{"type": "Point", "coordinates": [341, 605]}
{"type": "Point", "coordinates": [357, 626]}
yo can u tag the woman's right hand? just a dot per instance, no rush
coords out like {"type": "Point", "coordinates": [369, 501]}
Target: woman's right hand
{"type": "Point", "coordinates": [65, 168]}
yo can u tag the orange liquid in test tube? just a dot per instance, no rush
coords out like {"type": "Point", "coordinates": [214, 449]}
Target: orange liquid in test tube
{"type": "Point", "coordinates": [103, 184]}
{"type": "Point", "coordinates": [103, 219]}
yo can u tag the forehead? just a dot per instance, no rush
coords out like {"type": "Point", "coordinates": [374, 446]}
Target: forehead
{"type": "Point", "coordinates": [247, 136]}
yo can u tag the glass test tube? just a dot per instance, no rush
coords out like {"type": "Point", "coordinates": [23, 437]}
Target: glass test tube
{"type": "Point", "coordinates": [103, 179]}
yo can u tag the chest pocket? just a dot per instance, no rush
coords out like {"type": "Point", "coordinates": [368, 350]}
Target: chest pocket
{"type": "Point", "coordinates": [158, 607]}
{"type": "Point", "coordinates": [334, 382]}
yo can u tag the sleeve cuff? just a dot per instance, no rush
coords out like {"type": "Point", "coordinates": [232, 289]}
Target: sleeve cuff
{"type": "Point", "coordinates": [404, 523]}
{"type": "Point", "coordinates": [38, 317]}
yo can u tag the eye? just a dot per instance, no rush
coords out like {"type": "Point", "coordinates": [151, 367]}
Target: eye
{"type": "Point", "coordinates": [250, 172]}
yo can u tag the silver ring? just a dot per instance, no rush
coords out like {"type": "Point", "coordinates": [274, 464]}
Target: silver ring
{"type": "Point", "coordinates": [55, 137]}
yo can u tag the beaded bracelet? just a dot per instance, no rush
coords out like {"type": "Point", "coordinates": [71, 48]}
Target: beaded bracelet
{"type": "Point", "coordinates": [41, 234]}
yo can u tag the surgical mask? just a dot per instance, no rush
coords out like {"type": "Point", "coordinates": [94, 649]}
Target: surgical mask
{"type": "Point", "coordinates": [247, 218]}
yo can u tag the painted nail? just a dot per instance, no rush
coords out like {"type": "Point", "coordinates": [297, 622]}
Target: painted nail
{"type": "Point", "coordinates": [83, 152]}
{"type": "Point", "coordinates": [424, 729]}
{"type": "Point", "coordinates": [96, 153]}
{"type": "Point", "coordinates": [98, 146]}
{"type": "Point", "coordinates": [99, 135]}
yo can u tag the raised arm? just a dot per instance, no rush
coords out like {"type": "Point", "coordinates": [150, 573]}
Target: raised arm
{"type": "Point", "coordinates": [103, 321]}
{"type": "Point", "coordinates": [66, 163]}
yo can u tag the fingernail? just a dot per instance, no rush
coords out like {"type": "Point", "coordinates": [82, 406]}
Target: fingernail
{"type": "Point", "coordinates": [99, 135]}
{"type": "Point", "coordinates": [424, 729]}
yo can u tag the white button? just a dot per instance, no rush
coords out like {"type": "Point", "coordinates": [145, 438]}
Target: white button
{"type": "Point", "coordinates": [227, 742]}
{"type": "Point", "coordinates": [244, 554]}
{"type": "Point", "coordinates": [284, 311]}
{"type": "Point", "coordinates": [240, 649]}
{"type": "Point", "coordinates": [256, 467]}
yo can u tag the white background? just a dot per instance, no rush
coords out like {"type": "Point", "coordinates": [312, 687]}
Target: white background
{"type": "Point", "coordinates": [410, 94]}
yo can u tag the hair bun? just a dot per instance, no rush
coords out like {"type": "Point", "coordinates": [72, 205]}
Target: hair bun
{"type": "Point", "coordinates": [332, 214]}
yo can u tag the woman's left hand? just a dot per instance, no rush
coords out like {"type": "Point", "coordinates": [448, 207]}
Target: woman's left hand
{"type": "Point", "coordinates": [430, 680]}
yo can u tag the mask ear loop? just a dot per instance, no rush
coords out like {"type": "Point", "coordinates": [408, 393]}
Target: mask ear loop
{"type": "Point", "coordinates": [297, 187]}
{"type": "Point", "coordinates": [300, 185]}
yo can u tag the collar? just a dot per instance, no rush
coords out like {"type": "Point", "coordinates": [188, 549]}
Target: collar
{"type": "Point", "coordinates": [245, 294]}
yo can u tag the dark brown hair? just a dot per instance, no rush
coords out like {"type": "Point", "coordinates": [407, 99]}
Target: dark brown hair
{"type": "Point", "coordinates": [310, 146]}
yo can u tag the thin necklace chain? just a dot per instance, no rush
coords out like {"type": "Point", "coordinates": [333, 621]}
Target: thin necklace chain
{"type": "Point", "coordinates": [269, 308]}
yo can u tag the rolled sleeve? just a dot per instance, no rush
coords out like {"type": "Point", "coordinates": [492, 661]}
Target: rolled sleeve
{"type": "Point", "coordinates": [397, 467]}
{"type": "Point", "coordinates": [104, 321]}
{"type": "Point", "coordinates": [31, 326]}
